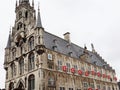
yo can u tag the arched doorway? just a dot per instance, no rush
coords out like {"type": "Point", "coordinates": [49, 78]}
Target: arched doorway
{"type": "Point", "coordinates": [11, 86]}
{"type": "Point", "coordinates": [20, 87]}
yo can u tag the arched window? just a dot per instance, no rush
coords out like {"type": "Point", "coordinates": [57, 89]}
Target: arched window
{"type": "Point", "coordinates": [13, 53]}
{"type": "Point", "coordinates": [13, 70]}
{"type": "Point", "coordinates": [21, 66]}
{"type": "Point", "coordinates": [11, 86]}
{"type": "Point", "coordinates": [31, 82]}
{"type": "Point", "coordinates": [26, 14]}
{"type": "Point", "coordinates": [19, 25]}
{"type": "Point", "coordinates": [31, 62]}
{"type": "Point", "coordinates": [31, 43]}
{"type": "Point", "coordinates": [51, 80]}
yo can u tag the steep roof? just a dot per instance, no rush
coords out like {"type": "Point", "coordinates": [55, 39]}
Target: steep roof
{"type": "Point", "coordinates": [39, 23]}
{"type": "Point", "coordinates": [77, 51]}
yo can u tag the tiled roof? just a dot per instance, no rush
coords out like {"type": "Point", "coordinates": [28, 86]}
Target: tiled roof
{"type": "Point", "coordinates": [65, 47]}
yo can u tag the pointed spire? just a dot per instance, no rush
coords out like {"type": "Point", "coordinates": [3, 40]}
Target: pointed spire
{"type": "Point", "coordinates": [9, 40]}
{"type": "Point", "coordinates": [93, 49]}
{"type": "Point", "coordinates": [19, 1]}
{"type": "Point", "coordinates": [16, 3]}
{"type": "Point", "coordinates": [38, 23]}
{"type": "Point", "coordinates": [32, 3]}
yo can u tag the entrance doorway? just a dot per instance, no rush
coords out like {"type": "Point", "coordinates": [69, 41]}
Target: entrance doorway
{"type": "Point", "coordinates": [20, 87]}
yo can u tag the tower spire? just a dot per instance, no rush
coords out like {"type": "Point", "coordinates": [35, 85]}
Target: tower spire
{"type": "Point", "coordinates": [32, 3]}
{"type": "Point", "coordinates": [16, 3]}
{"type": "Point", "coordinates": [9, 40]}
{"type": "Point", "coordinates": [39, 23]}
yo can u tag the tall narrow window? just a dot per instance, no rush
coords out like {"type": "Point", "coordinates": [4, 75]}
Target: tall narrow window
{"type": "Point", "coordinates": [62, 88]}
{"type": "Point", "coordinates": [21, 66]}
{"type": "Point", "coordinates": [31, 62]}
{"type": "Point", "coordinates": [19, 25]}
{"type": "Point", "coordinates": [13, 54]}
{"type": "Point", "coordinates": [31, 82]}
{"type": "Point", "coordinates": [51, 80]}
{"type": "Point", "coordinates": [31, 43]}
{"type": "Point", "coordinates": [26, 14]}
{"type": "Point", "coordinates": [59, 65]}
{"type": "Point", "coordinates": [104, 87]}
{"type": "Point", "coordinates": [76, 68]}
{"type": "Point", "coordinates": [68, 67]}
{"type": "Point", "coordinates": [98, 87]}
{"type": "Point", "coordinates": [13, 70]}
{"type": "Point", "coordinates": [7, 74]}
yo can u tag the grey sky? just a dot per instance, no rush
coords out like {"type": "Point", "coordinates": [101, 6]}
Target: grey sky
{"type": "Point", "coordinates": [88, 21]}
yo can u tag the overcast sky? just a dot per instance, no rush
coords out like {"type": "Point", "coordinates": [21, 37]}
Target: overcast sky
{"type": "Point", "coordinates": [88, 21]}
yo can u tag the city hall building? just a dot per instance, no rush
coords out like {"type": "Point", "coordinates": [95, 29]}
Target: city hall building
{"type": "Point", "coordinates": [38, 60]}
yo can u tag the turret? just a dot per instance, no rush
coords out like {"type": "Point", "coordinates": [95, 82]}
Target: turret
{"type": "Point", "coordinates": [7, 51]}
{"type": "Point", "coordinates": [39, 33]}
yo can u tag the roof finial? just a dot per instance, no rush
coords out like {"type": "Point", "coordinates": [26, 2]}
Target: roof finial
{"type": "Point", "coordinates": [38, 6]}
{"type": "Point", "coordinates": [16, 3]}
{"type": "Point", "coordinates": [39, 23]}
{"type": "Point", "coordinates": [85, 49]}
{"type": "Point", "coordinates": [93, 50]}
{"type": "Point", "coordinates": [9, 39]}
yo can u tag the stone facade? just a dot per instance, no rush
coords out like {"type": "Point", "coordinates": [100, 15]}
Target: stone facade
{"type": "Point", "coordinates": [38, 60]}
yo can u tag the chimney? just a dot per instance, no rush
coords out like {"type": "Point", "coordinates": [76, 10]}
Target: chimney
{"type": "Point", "coordinates": [67, 36]}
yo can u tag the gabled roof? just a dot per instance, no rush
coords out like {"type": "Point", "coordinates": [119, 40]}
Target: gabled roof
{"type": "Point", "coordinates": [77, 51]}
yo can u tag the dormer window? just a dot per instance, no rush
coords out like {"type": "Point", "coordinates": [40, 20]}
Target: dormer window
{"type": "Point", "coordinates": [69, 50]}
{"type": "Point", "coordinates": [70, 53]}
{"type": "Point", "coordinates": [55, 45]}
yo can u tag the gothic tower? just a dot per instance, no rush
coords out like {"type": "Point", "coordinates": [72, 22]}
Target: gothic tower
{"type": "Point", "coordinates": [25, 42]}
